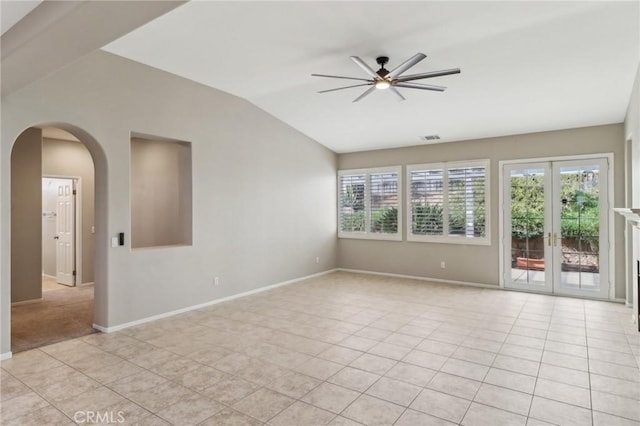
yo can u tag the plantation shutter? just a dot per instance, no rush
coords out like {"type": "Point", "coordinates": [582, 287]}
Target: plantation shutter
{"type": "Point", "coordinates": [383, 199]}
{"type": "Point", "coordinates": [352, 203]}
{"type": "Point", "coordinates": [427, 202]}
{"type": "Point", "coordinates": [466, 201]}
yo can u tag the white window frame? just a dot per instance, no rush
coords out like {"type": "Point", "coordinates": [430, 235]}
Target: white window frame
{"type": "Point", "coordinates": [445, 238]}
{"type": "Point", "coordinates": [367, 235]}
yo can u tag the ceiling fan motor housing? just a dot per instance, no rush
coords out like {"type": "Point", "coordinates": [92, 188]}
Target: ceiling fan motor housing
{"type": "Point", "coordinates": [382, 61]}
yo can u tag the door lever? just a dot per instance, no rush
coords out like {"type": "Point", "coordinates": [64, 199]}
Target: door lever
{"type": "Point", "coordinates": [549, 239]}
{"type": "Point", "coordinates": [56, 237]}
{"type": "Point", "coordinates": [555, 239]}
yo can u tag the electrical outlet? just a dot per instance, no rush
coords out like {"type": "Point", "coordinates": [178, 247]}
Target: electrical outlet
{"type": "Point", "coordinates": [442, 265]}
{"type": "Point", "coordinates": [317, 260]}
{"type": "Point", "coordinates": [216, 280]}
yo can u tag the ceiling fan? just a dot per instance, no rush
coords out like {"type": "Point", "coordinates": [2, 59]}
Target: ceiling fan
{"type": "Point", "coordinates": [390, 80]}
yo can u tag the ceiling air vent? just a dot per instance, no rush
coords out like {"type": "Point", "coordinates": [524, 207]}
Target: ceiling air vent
{"type": "Point", "coordinates": [430, 138]}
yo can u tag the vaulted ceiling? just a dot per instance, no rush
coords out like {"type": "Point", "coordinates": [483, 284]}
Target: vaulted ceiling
{"type": "Point", "coordinates": [526, 66]}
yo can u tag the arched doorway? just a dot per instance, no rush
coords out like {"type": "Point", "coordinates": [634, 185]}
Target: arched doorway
{"type": "Point", "coordinates": [70, 159]}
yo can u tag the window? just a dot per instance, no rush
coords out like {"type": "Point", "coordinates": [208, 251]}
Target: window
{"type": "Point", "coordinates": [368, 204]}
{"type": "Point", "coordinates": [449, 202]}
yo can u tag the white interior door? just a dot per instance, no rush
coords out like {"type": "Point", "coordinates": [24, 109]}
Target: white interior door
{"type": "Point", "coordinates": [65, 232]}
{"type": "Point", "coordinates": [556, 227]}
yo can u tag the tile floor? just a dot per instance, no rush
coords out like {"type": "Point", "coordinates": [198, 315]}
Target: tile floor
{"type": "Point", "coordinates": [344, 349]}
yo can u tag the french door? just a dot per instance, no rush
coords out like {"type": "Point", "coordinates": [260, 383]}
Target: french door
{"type": "Point", "coordinates": [556, 227]}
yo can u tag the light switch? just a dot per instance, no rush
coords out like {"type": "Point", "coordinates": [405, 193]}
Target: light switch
{"type": "Point", "coordinates": [114, 241]}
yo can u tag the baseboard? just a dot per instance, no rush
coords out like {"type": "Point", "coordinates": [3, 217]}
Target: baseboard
{"type": "Point", "coordinates": [415, 277]}
{"type": "Point", "coordinates": [620, 300]}
{"type": "Point", "coordinates": [85, 284]}
{"type": "Point", "coordinates": [206, 304]}
{"type": "Point", "coordinates": [5, 356]}
{"type": "Point", "coordinates": [27, 302]}
{"type": "Point", "coordinates": [53, 277]}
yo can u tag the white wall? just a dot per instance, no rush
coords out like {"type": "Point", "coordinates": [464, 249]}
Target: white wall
{"type": "Point", "coordinates": [263, 194]}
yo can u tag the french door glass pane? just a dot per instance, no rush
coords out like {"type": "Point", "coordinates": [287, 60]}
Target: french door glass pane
{"type": "Point", "coordinates": [527, 226]}
{"type": "Point", "coordinates": [580, 226]}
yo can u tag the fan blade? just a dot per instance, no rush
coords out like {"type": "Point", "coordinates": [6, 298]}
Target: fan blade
{"type": "Point", "coordinates": [421, 86]}
{"type": "Point", "coordinates": [429, 74]}
{"type": "Point", "coordinates": [337, 76]}
{"type": "Point", "coordinates": [406, 65]}
{"type": "Point", "coordinates": [365, 67]}
{"type": "Point", "coordinates": [345, 87]}
{"type": "Point", "coordinates": [369, 90]}
{"type": "Point", "coordinates": [397, 93]}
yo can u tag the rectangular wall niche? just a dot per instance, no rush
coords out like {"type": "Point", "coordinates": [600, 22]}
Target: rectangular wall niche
{"type": "Point", "coordinates": [161, 200]}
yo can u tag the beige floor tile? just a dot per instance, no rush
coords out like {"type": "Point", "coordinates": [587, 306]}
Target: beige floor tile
{"type": "Point", "coordinates": [466, 369]}
{"type": "Point", "coordinates": [523, 352]}
{"type": "Point", "coordinates": [319, 368]}
{"type": "Point", "coordinates": [559, 413]}
{"type": "Point", "coordinates": [435, 347]}
{"type": "Point", "coordinates": [94, 400]}
{"type": "Point", "coordinates": [294, 385]}
{"type": "Point", "coordinates": [10, 387]}
{"type": "Point", "coordinates": [43, 416]}
{"type": "Point", "coordinates": [373, 333]}
{"type": "Point", "coordinates": [373, 411]}
{"type": "Point", "coordinates": [353, 378]}
{"type": "Point", "coordinates": [343, 421]}
{"type": "Point", "coordinates": [616, 405]}
{"type": "Point", "coordinates": [340, 354]}
{"type": "Point", "coordinates": [331, 397]}
{"type": "Point", "coordinates": [425, 359]}
{"type": "Point", "coordinates": [111, 373]}
{"type": "Point", "coordinates": [483, 415]}
{"type": "Point", "coordinates": [566, 348]}
{"type": "Point", "coordinates": [454, 385]}
{"type": "Point", "coordinates": [300, 413]}
{"type": "Point", "coordinates": [567, 361]}
{"type": "Point", "coordinates": [388, 350]}
{"type": "Point", "coordinates": [373, 363]}
{"type": "Point", "coordinates": [159, 397]}
{"type": "Point", "coordinates": [22, 405]}
{"type": "Point", "coordinates": [615, 386]}
{"type": "Point", "coordinates": [190, 411]}
{"type": "Point", "coordinates": [358, 343]}
{"type": "Point", "coordinates": [395, 391]}
{"type": "Point", "coordinates": [230, 390]}
{"type": "Point", "coordinates": [30, 362]}
{"type": "Point", "coordinates": [474, 355]}
{"type": "Point", "coordinates": [504, 399]}
{"type": "Point", "coordinates": [604, 419]}
{"type": "Point", "coordinates": [230, 417]}
{"type": "Point", "coordinates": [415, 418]}
{"type": "Point", "coordinates": [410, 373]}
{"type": "Point", "coordinates": [516, 365]}
{"type": "Point", "coordinates": [564, 375]}
{"type": "Point", "coordinates": [511, 380]}
{"type": "Point", "coordinates": [137, 383]}
{"type": "Point", "coordinates": [405, 340]}
{"type": "Point", "coordinates": [614, 370]}
{"type": "Point", "coordinates": [563, 392]}
{"type": "Point", "coordinates": [613, 357]}
{"type": "Point", "coordinates": [263, 404]}
{"type": "Point", "coordinates": [441, 405]}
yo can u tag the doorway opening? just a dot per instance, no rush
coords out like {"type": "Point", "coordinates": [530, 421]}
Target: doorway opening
{"type": "Point", "coordinates": [556, 227]}
{"type": "Point", "coordinates": [53, 286]}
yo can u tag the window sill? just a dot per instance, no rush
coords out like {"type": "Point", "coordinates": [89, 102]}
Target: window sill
{"type": "Point", "coordinates": [450, 240]}
{"type": "Point", "coordinates": [363, 236]}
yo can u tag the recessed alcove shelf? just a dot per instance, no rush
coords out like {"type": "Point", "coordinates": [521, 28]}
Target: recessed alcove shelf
{"type": "Point", "coordinates": [161, 192]}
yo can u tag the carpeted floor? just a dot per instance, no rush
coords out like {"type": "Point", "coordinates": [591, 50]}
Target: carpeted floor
{"type": "Point", "coordinates": [64, 313]}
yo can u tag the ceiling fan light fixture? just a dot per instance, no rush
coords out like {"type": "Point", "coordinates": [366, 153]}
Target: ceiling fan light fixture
{"type": "Point", "coordinates": [382, 84]}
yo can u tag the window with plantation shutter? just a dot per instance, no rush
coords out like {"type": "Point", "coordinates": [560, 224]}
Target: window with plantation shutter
{"type": "Point", "coordinates": [448, 202]}
{"type": "Point", "coordinates": [369, 203]}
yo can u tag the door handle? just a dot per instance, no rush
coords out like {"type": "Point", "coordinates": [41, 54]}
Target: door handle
{"type": "Point", "coordinates": [549, 239]}
{"type": "Point", "coordinates": [555, 239]}
{"type": "Point", "coordinates": [56, 237]}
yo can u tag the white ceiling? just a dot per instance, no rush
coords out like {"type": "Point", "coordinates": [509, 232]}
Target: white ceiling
{"type": "Point", "coordinates": [526, 66]}
{"type": "Point", "coordinates": [12, 11]}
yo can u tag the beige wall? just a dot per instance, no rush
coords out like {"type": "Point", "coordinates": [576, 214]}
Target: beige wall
{"type": "Point", "coordinates": [481, 263]}
{"type": "Point", "coordinates": [263, 193]}
{"type": "Point", "coordinates": [160, 193]}
{"type": "Point", "coordinates": [26, 224]}
{"type": "Point", "coordinates": [72, 159]}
